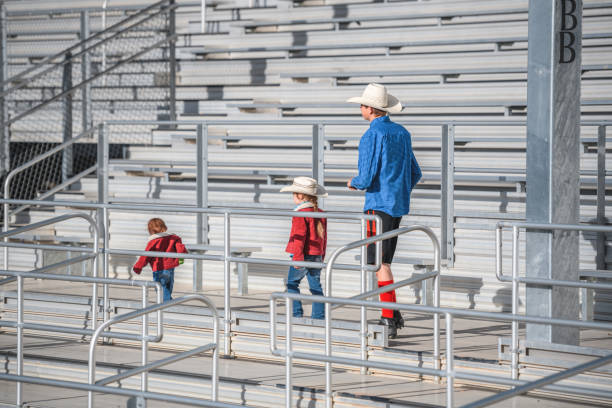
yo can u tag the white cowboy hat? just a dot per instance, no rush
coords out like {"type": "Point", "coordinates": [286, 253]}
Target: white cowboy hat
{"type": "Point", "coordinates": [376, 96]}
{"type": "Point", "coordinates": [305, 185]}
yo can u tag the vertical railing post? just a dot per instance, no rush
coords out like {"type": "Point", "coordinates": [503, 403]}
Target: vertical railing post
{"type": "Point", "coordinates": [600, 259]}
{"type": "Point", "coordinates": [364, 288]}
{"type": "Point", "coordinates": [515, 289]}
{"type": "Point", "coordinates": [144, 380]}
{"type": "Point", "coordinates": [450, 361]}
{"type": "Point", "coordinates": [447, 192]}
{"type": "Point", "coordinates": [318, 155]}
{"type": "Point", "coordinates": [67, 158]}
{"type": "Point", "coordinates": [288, 354]}
{"type": "Point", "coordinates": [85, 74]}
{"type": "Point", "coordinates": [172, 61]}
{"type": "Point", "coordinates": [227, 312]}
{"type": "Point", "coordinates": [202, 198]}
{"type": "Point", "coordinates": [203, 16]}
{"type": "Point", "coordinates": [103, 157]}
{"type": "Point", "coordinates": [20, 302]}
{"type": "Point", "coordinates": [5, 154]}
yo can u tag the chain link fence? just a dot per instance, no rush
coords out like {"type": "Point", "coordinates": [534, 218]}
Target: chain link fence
{"type": "Point", "coordinates": [119, 73]}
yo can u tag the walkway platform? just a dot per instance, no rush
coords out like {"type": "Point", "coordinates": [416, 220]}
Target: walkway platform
{"type": "Point", "coordinates": [253, 376]}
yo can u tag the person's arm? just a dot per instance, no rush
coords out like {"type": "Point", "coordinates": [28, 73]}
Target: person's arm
{"type": "Point", "coordinates": [415, 170]}
{"type": "Point", "coordinates": [369, 156]}
{"type": "Point", "coordinates": [142, 260]}
{"type": "Point", "coordinates": [298, 237]}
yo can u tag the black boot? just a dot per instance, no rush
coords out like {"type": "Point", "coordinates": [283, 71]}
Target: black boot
{"type": "Point", "coordinates": [398, 319]}
{"type": "Point", "coordinates": [390, 323]}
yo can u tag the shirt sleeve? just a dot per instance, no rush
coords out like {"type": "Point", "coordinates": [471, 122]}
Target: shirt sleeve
{"type": "Point", "coordinates": [298, 237]}
{"type": "Point", "coordinates": [180, 247]}
{"type": "Point", "coordinates": [142, 260]}
{"type": "Point", "coordinates": [416, 171]}
{"type": "Point", "coordinates": [369, 158]}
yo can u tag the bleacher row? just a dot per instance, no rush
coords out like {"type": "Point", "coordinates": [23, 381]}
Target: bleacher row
{"type": "Point", "coordinates": [446, 60]}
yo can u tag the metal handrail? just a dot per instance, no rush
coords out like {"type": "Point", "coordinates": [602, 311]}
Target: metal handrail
{"type": "Point", "coordinates": [226, 258]}
{"type": "Point", "coordinates": [516, 279]}
{"type": "Point", "coordinates": [328, 292]}
{"type": "Point", "coordinates": [145, 365]}
{"type": "Point", "coordinates": [450, 372]}
{"type": "Point", "coordinates": [20, 325]}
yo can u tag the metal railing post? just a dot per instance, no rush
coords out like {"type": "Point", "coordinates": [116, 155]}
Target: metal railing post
{"type": "Point", "coordinates": [67, 157]}
{"type": "Point", "coordinates": [318, 155]}
{"type": "Point", "coordinates": [144, 379]}
{"type": "Point", "coordinates": [172, 60]}
{"type": "Point", "coordinates": [20, 304]}
{"type": "Point", "coordinates": [203, 16]}
{"type": "Point", "coordinates": [85, 72]}
{"type": "Point", "coordinates": [450, 361]}
{"type": "Point", "coordinates": [364, 318]}
{"type": "Point", "coordinates": [103, 221]}
{"type": "Point", "coordinates": [227, 313]}
{"type": "Point", "coordinates": [515, 294]}
{"type": "Point", "coordinates": [201, 197]}
{"type": "Point", "coordinates": [288, 353]}
{"type": "Point", "coordinates": [447, 192]}
{"type": "Point", "coordinates": [600, 259]}
{"type": "Point", "coordinates": [5, 153]}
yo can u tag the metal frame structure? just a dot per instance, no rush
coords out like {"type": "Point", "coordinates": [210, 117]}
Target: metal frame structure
{"type": "Point", "coordinates": [449, 372]}
{"type": "Point", "coordinates": [515, 279]}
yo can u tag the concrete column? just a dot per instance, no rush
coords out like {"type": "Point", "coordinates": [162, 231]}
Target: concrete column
{"type": "Point", "coordinates": [553, 161]}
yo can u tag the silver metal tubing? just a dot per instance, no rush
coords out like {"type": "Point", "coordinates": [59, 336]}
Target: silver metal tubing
{"type": "Point", "coordinates": [119, 391]}
{"type": "Point", "coordinates": [74, 330]}
{"type": "Point", "coordinates": [363, 328]}
{"type": "Point", "coordinates": [156, 364]}
{"type": "Point", "coordinates": [515, 327]}
{"type": "Point", "coordinates": [541, 382]}
{"type": "Point", "coordinates": [450, 366]}
{"type": "Point", "coordinates": [396, 285]}
{"type": "Point", "coordinates": [227, 312]}
{"type": "Point", "coordinates": [137, 313]}
{"type": "Point", "coordinates": [19, 338]}
{"type": "Point", "coordinates": [288, 353]}
{"type": "Point", "coordinates": [144, 346]}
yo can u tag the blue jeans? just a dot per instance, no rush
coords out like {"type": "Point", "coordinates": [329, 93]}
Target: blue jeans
{"type": "Point", "coordinates": [314, 281]}
{"type": "Point", "coordinates": [166, 279]}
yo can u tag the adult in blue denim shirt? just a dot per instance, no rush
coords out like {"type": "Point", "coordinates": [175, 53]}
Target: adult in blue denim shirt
{"type": "Point", "coordinates": [388, 171]}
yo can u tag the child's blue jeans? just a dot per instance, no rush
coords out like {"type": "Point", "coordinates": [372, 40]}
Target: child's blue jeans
{"type": "Point", "coordinates": [166, 279]}
{"type": "Point", "coordinates": [314, 281]}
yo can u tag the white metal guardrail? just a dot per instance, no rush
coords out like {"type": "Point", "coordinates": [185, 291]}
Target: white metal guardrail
{"type": "Point", "coordinates": [450, 372]}
{"type": "Point", "coordinates": [516, 279]}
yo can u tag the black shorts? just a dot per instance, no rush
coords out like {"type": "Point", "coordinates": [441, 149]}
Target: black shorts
{"type": "Point", "coordinates": [388, 245]}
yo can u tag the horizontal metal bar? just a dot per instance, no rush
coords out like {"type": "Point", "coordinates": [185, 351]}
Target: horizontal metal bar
{"type": "Point", "coordinates": [118, 391]}
{"type": "Point", "coordinates": [156, 364]}
{"type": "Point", "coordinates": [365, 363]}
{"type": "Point", "coordinates": [556, 282]}
{"type": "Point", "coordinates": [61, 264]}
{"type": "Point", "coordinates": [393, 286]}
{"type": "Point", "coordinates": [75, 330]}
{"type": "Point", "coordinates": [43, 223]}
{"type": "Point", "coordinates": [495, 316]}
{"type": "Point", "coordinates": [540, 383]}
{"type": "Point", "coordinates": [46, 247]}
{"type": "Point", "coordinates": [163, 254]}
{"type": "Point", "coordinates": [87, 279]}
{"type": "Point", "coordinates": [559, 227]}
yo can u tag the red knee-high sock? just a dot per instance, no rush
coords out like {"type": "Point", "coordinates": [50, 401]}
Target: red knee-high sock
{"type": "Point", "coordinates": [387, 297]}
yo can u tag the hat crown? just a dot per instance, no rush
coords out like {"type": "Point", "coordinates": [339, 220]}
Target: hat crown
{"type": "Point", "coordinates": [305, 182]}
{"type": "Point", "coordinates": [376, 93]}
{"type": "Point", "coordinates": [305, 185]}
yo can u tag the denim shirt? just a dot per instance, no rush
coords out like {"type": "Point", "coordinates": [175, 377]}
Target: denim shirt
{"type": "Point", "coordinates": [388, 170]}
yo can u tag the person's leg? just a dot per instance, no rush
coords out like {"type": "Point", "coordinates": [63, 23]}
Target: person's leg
{"type": "Point", "coordinates": [165, 279]}
{"type": "Point", "coordinates": [314, 282]}
{"type": "Point", "coordinates": [294, 278]}
{"type": "Point", "coordinates": [170, 283]}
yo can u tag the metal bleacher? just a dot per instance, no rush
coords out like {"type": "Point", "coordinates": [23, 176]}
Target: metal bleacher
{"type": "Point", "coordinates": [262, 81]}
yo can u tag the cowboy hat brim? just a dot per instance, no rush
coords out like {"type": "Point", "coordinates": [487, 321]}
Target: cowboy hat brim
{"type": "Point", "coordinates": [393, 104]}
{"type": "Point", "coordinates": [319, 191]}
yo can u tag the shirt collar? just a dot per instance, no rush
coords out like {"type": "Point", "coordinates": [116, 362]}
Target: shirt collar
{"type": "Point", "coordinates": [379, 120]}
{"type": "Point", "coordinates": [305, 204]}
{"type": "Point", "coordinates": [159, 235]}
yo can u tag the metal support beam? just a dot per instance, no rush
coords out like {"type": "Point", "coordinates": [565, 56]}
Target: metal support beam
{"type": "Point", "coordinates": [600, 259]}
{"type": "Point", "coordinates": [67, 158]}
{"type": "Point", "coordinates": [202, 199]}
{"type": "Point", "coordinates": [5, 162]}
{"type": "Point", "coordinates": [172, 60]}
{"type": "Point", "coordinates": [447, 193]}
{"type": "Point", "coordinates": [86, 113]}
{"type": "Point", "coordinates": [318, 155]}
{"type": "Point", "coordinates": [553, 162]}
